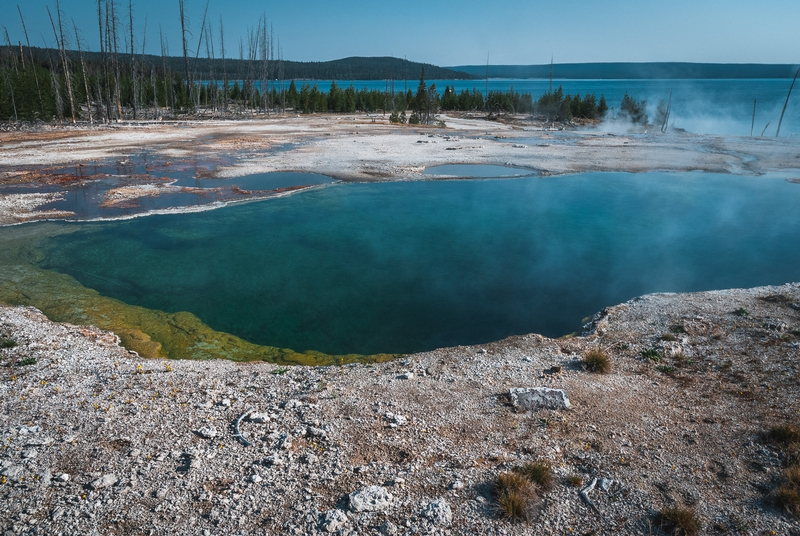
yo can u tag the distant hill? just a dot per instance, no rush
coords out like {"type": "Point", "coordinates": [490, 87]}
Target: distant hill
{"type": "Point", "coordinates": [354, 68]}
{"type": "Point", "coordinates": [634, 70]}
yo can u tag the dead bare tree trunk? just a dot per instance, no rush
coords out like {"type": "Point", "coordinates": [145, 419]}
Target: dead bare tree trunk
{"type": "Point", "coordinates": [141, 74]}
{"type": "Point", "coordinates": [33, 62]}
{"type": "Point", "coordinates": [189, 85]}
{"type": "Point", "coordinates": [59, 35]}
{"type": "Point", "coordinates": [213, 93]}
{"type": "Point", "coordinates": [664, 126]}
{"type": "Point", "coordinates": [169, 93]}
{"type": "Point", "coordinates": [224, 69]}
{"type": "Point", "coordinates": [785, 104]}
{"type": "Point", "coordinates": [11, 52]}
{"type": "Point", "coordinates": [83, 71]}
{"type": "Point", "coordinates": [56, 87]}
{"type": "Point", "coordinates": [753, 122]}
{"type": "Point", "coordinates": [11, 90]}
{"type": "Point", "coordinates": [133, 61]}
{"type": "Point", "coordinates": [197, 53]}
{"type": "Point", "coordinates": [155, 92]}
{"type": "Point", "coordinates": [115, 48]}
{"type": "Point", "coordinates": [106, 95]}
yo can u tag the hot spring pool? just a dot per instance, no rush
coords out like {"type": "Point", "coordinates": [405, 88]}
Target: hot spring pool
{"type": "Point", "coordinates": [409, 266]}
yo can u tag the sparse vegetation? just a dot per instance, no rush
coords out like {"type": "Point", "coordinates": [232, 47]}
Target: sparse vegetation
{"type": "Point", "coordinates": [680, 521]}
{"type": "Point", "coordinates": [668, 337]}
{"type": "Point", "coordinates": [538, 472]}
{"type": "Point", "coordinates": [515, 495]}
{"type": "Point", "coordinates": [7, 342]}
{"type": "Point", "coordinates": [575, 481]}
{"type": "Point", "coordinates": [741, 311]}
{"type": "Point", "coordinates": [677, 328]}
{"type": "Point", "coordinates": [597, 361]}
{"type": "Point", "coordinates": [784, 435]}
{"type": "Point", "coordinates": [27, 361]}
{"type": "Point", "coordinates": [666, 369]}
{"type": "Point", "coordinates": [651, 354]}
{"type": "Point", "coordinates": [787, 496]}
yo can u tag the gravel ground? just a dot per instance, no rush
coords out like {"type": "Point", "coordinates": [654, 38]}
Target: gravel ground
{"type": "Point", "coordinates": [99, 441]}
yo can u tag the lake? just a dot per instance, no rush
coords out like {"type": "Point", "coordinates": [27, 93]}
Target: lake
{"type": "Point", "coordinates": [410, 266]}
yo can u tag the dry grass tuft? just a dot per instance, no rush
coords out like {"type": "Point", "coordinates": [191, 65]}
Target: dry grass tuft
{"type": "Point", "coordinates": [784, 434]}
{"type": "Point", "coordinates": [575, 481]}
{"type": "Point", "coordinates": [597, 361]}
{"type": "Point", "coordinates": [540, 473]}
{"type": "Point", "coordinates": [787, 496]}
{"type": "Point", "coordinates": [515, 496]}
{"type": "Point", "coordinates": [680, 521]}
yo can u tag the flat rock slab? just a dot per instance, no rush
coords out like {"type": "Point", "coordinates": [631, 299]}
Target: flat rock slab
{"type": "Point", "coordinates": [535, 398]}
{"type": "Point", "coordinates": [370, 499]}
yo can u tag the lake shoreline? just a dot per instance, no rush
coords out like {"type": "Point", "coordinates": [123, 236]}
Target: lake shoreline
{"type": "Point", "coordinates": [360, 148]}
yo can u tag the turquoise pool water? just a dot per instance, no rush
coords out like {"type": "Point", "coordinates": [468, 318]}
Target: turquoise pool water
{"type": "Point", "coordinates": [409, 266]}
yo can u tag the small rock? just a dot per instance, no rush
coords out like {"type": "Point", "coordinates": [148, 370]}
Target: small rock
{"type": "Point", "coordinates": [457, 485]}
{"type": "Point", "coordinates": [225, 402]}
{"type": "Point", "coordinates": [258, 418]}
{"type": "Point", "coordinates": [161, 494]}
{"type": "Point", "coordinates": [534, 398]}
{"type": "Point", "coordinates": [285, 442]}
{"type": "Point", "coordinates": [13, 472]}
{"type": "Point", "coordinates": [207, 432]}
{"type": "Point", "coordinates": [406, 376]}
{"type": "Point", "coordinates": [38, 441]}
{"type": "Point", "coordinates": [605, 484]}
{"type": "Point", "coordinates": [255, 478]}
{"type": "Point", "coordinates": [333, 520]}
{"type": "Point", "coordinates": [63, 477]}
{"type": "Point", "coordinates": [395, 420]}
{"type": "Point", "coordinates": [105, 481]}
{"type": "Point", "coordinates": [28, 454]}
{"type": "Point", "coordinates": [389, 528]}
{"type": "Point", "coordinates": [293, 404]}
{"type": "Point", "coordinates": [311, 458]}
{"type": "Point", "coordinates": [370, 499]}
{"type": "Point", "coordinates": [135, 453]}
{"type": "Point", "coordinates": [274, 460]}
{"type": "Point", "coordinates": [317, 432]}
{"type": "Point", "coordinates": [438, 512]}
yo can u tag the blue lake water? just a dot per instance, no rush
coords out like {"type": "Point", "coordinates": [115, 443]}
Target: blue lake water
{"type": "Point", "coordinates": [408, 266]}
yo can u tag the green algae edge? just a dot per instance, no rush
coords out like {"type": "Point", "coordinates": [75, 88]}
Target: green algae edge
{"type": "Point", "coordinates": [148, 332]}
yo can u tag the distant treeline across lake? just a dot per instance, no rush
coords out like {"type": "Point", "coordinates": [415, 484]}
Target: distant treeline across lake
{"type": "Point", "coordinates": [703, 106]}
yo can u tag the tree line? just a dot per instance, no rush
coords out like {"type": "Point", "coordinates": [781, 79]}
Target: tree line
{"type": "Point", "coordinates": [120, 82]}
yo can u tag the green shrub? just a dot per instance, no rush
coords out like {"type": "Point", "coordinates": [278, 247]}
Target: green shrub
{"type": "Point", "coordinates": [7, 342]}
{"type": "Point", "coordinates": [651, 354]}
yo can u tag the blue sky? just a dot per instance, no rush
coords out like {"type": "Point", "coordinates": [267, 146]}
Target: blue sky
{"type": "Point", "coordinates": [462, 32]}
